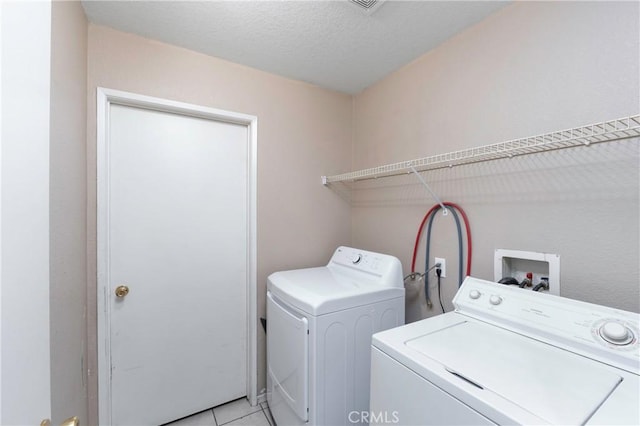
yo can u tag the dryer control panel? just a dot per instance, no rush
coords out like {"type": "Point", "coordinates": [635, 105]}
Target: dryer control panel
{"type": "Point", "coordinates": [599, 332]}
{"type": "Point", "coordinates": [382, 269]}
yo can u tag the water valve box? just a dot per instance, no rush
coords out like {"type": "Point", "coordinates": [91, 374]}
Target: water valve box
{"type": "Point", "coordinates": [517, 263]}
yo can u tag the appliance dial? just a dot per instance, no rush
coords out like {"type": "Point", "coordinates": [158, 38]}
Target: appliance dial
{"type": "Point", "coordinates": [616, 333]}
{"type": "Point", "coordinates": [356, 259]}
{"type": "Point", "coordinates": [474, 294]}
{"type": "Point", "coordinates": [495, 300]}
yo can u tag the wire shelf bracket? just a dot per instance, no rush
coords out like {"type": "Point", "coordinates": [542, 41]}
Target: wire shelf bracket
{"type": "Point", "coordinates": [426, 185]}
{"type": "Point", "coordinates": [606, 131]}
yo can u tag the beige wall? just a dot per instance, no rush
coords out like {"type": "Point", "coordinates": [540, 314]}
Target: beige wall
{"type": "Point", "coordinates": [303, 133]}
{"type": "Point", "coordinates": [67, 211]}
{"type": "Point", "coordinates": [531, 68]}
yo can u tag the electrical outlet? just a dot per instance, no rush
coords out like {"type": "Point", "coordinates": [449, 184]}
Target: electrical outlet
{"type": "Point", "coordinates": [443, 265]}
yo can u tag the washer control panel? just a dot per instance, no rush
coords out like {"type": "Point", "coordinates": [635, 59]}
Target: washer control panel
{"type": "Point", "coordinates": [376, 267]}
{"type": "Point", "coordinates": [604, 333]}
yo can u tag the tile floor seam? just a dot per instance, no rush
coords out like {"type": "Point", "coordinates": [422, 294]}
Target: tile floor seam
{"type": "Point", "coordinates": [246, 415]}
{"type": "Point", "coordinates": [267, 416]}
{"type": "Point", "coordinates": [238, 418]}
{"type": "Point", "coordinates": [239, 408]}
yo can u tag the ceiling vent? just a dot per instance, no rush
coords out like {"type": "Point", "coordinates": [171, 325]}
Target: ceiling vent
{"type": "Point", "coordinates": [367, 6]}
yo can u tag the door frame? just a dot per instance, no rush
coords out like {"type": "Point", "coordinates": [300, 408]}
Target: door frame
{"type": "Point", "coordinates": [106, 98]}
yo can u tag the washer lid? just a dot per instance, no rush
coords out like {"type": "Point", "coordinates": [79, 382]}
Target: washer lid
{"type": "Point", "coordinates": [555, 385]}
{"type": "Point", "coordinates": [322, 290]}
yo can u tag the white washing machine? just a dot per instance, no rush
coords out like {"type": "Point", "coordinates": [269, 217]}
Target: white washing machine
{"type": "Point", "coordinates": [319, 327]}
{"type": "Point", "coordinates": [507, 356]}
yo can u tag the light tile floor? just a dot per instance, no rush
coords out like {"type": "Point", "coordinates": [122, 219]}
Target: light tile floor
{"type": "Point", "coordinates": [234, 413]}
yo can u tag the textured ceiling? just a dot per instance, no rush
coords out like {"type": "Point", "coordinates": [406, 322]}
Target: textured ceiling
{"type": "Point", "coordinates": [332, 44]}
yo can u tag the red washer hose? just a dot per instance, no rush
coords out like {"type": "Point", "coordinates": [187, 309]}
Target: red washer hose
{"type": "Point", "coordinates": [466, 224]}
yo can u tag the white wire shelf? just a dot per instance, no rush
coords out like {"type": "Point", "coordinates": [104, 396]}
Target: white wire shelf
{"type": "Point", "coordinates": [606, 131]}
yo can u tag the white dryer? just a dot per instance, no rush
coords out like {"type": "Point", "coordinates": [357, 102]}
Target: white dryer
{"type": "Point", "coordinates": [507, 356]}
{"type": "Point", "coordinates": [319, 327]}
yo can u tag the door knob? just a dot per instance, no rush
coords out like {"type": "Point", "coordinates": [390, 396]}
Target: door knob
{"type": "Point", "coordinates": [122, 290]}
{"type": "Point", "coordinates": [72, 421]}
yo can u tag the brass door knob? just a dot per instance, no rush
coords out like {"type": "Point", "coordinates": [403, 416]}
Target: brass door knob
{"type": "Point", "coordinates": [122, 290]}
{"type": "Point", "coordinates": [72, 421]}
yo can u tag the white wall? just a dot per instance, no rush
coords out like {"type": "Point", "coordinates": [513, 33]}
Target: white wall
{"type": "Point", "coordinates": [68, 200]}
{"type": "Point", "coordinates": [25, 370]}
{"type": "Point", "coordinates": [531, 68]}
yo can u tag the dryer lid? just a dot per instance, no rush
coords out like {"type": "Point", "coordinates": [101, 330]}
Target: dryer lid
{"type": "Point", "coordinates": [555, 385]}
{"type": "Point", "coordinates": [323, 290]}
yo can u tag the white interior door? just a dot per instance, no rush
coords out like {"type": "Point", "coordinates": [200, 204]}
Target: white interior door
{"type": "Point", "coordinates": [177, 230]}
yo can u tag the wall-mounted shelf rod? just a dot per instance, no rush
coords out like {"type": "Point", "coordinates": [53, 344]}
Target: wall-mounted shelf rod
{"type": "Point", "coordinates": [606, 131]}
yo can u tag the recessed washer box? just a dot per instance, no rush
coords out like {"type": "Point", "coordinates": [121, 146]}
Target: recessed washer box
{"type": "Point", "coordinates": [517, 263]}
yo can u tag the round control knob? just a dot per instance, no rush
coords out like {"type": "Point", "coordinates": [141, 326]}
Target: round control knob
{"type": "Point", "coordinates": [474, 294]}
{"type": "Point", "coordinates": [356, 259]}
{"type": "Point", "coordinates": [616, 333]}
{"type": "Point", "coordinates": [495, 300]}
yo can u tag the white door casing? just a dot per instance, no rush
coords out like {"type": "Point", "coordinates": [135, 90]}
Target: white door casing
{"type": "Point", "coordinates": [111, 310]}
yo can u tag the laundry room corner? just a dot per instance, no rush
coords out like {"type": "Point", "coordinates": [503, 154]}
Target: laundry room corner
{"type": "Point", "coordinates": [307, 213]}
